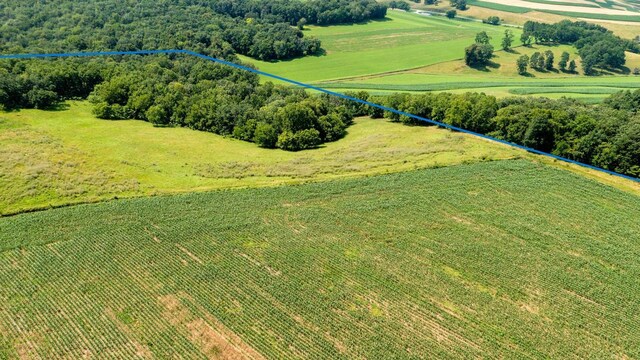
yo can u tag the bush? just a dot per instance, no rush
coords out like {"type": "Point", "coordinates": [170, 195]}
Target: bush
{"type": "Point", "coordinates": [265, 135]}
{"type": "Point", "coordinates": [478, 54]}
{"type": "Point", "coordinates": [301, 140]}
{"type": "Point", "coordinates": [451, 14]}
{"type": "Point", "coordinates": [42, 99]}
{"type": "Point", "coordinates": [492, 20]}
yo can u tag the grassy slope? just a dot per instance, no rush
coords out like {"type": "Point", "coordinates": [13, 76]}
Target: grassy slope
{"type": "Point", "coordinates": [503, 259]}
{"type": "Point", "coordinates": [55, 158]}
{"type": "Point", "coordinates": [403, 41]}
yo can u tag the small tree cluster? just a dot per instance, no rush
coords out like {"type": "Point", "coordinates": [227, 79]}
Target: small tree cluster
{"type": "Point", "coordinates": [459, 4]}
{"type": "Point", "coordinates": [479, 53]}
{"type": "Point", "coordinates": [492, 20]}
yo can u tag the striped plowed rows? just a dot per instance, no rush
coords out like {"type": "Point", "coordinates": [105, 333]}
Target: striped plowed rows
{"type": "Point", "coordinates": [505, 259]}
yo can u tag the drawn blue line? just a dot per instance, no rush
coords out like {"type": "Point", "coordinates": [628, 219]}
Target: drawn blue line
{"type": "Point", "coordinates": [307, 86]}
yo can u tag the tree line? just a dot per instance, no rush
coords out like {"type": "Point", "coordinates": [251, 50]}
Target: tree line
{"type": "Point", "coordinates": [320, 12]}
{"type": "Point", "coordinates": [606, 135]}
{"type": "Point", "coordinates": [214, 27]}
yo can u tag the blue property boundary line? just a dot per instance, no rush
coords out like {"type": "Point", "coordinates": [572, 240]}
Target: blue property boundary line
{"type": "Point", "coordinates": [308, 86]}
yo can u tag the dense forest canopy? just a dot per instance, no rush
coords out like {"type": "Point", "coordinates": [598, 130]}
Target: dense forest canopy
{"type": "Point", "coordinates": [176, 90]}
{"type": "Point", "coordinates": [261, 29]}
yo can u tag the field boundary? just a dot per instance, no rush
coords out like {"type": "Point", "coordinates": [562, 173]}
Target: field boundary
{"type": "Point", "coordinates": [316, 88]}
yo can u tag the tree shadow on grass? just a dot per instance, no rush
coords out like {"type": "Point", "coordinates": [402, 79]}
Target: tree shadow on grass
{"type": "Point", "coordinates": [486, 67]}
{"type": "Point", "coordinates": [62, 106]}
{"type": "Point", "coordinates": [319, 53]}
{"type": "Point", "coordinates": [386, 19]}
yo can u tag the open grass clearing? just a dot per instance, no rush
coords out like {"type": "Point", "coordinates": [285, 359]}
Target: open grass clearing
{"type": "Point", "coordinates": [69, 156]}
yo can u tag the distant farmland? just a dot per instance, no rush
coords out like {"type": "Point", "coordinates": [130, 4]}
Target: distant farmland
{"type": "Point", "coordinates": [502, 259]}
{"type": "Point", "coordinates": [410, 52]}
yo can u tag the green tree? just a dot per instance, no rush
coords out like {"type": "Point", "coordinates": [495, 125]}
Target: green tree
{"type": "Point", "coordinates": [507, 40]}
{"type": "Point", "coordinates": [522, 63]}
{"type": "Point", "coordinates": [483, 38]}
{"type": "Point", "coordinates": [492, 20]}
{"type": "Point", "coordinates": [451, 14]}
{"type": "Point", "coordinates": [564, 60]}
{"type": "Point", "coordinates": [478, 54]}
{"type": "Point", "coordinates": [459, 4]}
{"type": "Point", "coordinates": [572, 66]}
{"type": "Point", "coordinates": [548, 60]}
{"type": "Point", "coordinates": [41, 98]}
{"type": "Point", "coordinates": [158, 115]}
{"type": "Point", "coordinates": [301, 23]}
{"type": "Point", "coordinates": [265, 135]}
{"type": "Point", "coordinates": [525, 38]}
{"type": "Point", "coordinates": [534, 61]}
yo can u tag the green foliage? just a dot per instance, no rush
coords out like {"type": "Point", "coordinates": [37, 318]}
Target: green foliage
{"type": "Point", "coordinates": [459, 4]}
{"type": "Point", "coordinates": [597, 46]}
{"type": "Point", "coordinates": [507, 40]}
{"type": "Point", "coordinates": [525, 39]}
{"type": "Point", "coordinates": [451, 14]}
{"type": "Point", "coordinates": [537, 61]}
{"type": "Point", "coordinates": [564, 60]}
{"type": "Point", "coordinates": [478, 54]}
{"type": "Point", "coordinates": [492, 20]}
{"type": "Point", "coordinates": [483, 38]}
{"type": "Point", "coordinates": [400, 4]}
{"type": "Point", "coordinates": [602, 135]}
{"type": "Point", "coordinates": [265, 135]}
{"type": "Point", "coordinates": [522, 63]}
{"type": "Point", "coordinates": [548, 60]}
{"type": "Point", "coordinates": [299, 140]}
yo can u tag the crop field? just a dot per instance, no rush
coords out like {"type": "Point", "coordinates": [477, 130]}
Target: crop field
{"type": "Point", "coordinates": [518, 16]}
{"type": "Point", "coordinates": [500, 79]}
{"type": "Point", "coordinates": [504, 259]}
{"type": "Point", "coordinates": [597, 10]}
{"type": "Point", "coordinates": [54, 158]}
{"type": "Point", "coordinates": [403, 41]}
{"type": "Point", "coordinates": [393, 55]}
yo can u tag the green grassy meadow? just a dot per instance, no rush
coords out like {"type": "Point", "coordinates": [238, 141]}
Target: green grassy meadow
{"type": "Point", "coordinates": [411, 52]}
{"type": "Point", "coordinates": [504, 259]}
{"type": "Point", "coordinates": [62, 157]}
{"type": "Point", "coordinates": [402, 41]}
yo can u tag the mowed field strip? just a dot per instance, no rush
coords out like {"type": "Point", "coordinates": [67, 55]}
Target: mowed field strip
{"type": "Point", "coordinates": [502, 259]}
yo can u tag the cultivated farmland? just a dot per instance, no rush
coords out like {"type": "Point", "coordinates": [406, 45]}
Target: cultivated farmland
{"type": "Point", "coordinates": [402, 41]}
{"type": "Point", "coordinates": [410, 52]}
{"type": "Point", "coordinates": [501, 259]}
